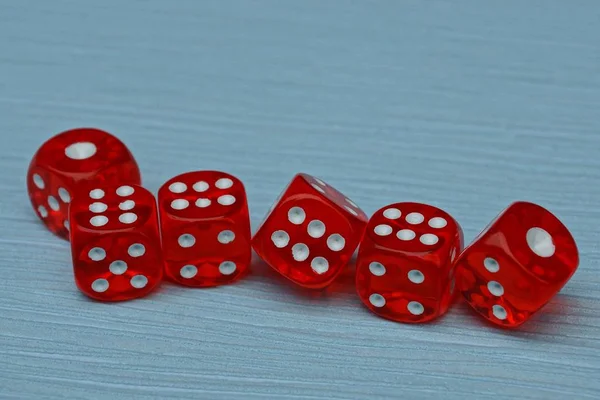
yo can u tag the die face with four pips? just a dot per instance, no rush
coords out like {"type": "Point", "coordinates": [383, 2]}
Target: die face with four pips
{"type": "Point", "coordinates": [517, 264]}
{"type": "Point", "coordinates": [115, 242]}
{"type": "Point", "coordinates": [205, 227]}
{"type": "Point", "coordinates": [405, 263]}
{"type": "Point", "coordinates": [71, 161]}
{"type": "Point", "coordinates": [310, 233]}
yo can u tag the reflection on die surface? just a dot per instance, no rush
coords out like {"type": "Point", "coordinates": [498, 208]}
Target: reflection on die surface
{"type": "Point", "coordinates": [310, 233]}
{"type": "Point", "coordinates": [115, 242]}
{"type": "Point", "coordinates": [405, 270]}
{"type": "Point", "coordinates": [205, 227]}
{"type": "Point", "coordinates": [72, 161]}
{"type": "Point", "coordinates": [515, 266]}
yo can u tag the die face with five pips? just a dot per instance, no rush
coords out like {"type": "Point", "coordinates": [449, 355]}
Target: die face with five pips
{"type": "Point", "coordinates": [405, 269]}
{"type": "Point", "coordinates": [115, 242]}
{"type": "Point", "coordinates": [71, 161]}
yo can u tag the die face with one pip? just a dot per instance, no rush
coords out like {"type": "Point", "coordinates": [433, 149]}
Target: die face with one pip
{"type": "Point", "coordinates": [310, 233]}
{"type": "Point", "coordinates": [405, 268]}
{"type": "Point", "coordinates": [74, 160]}
{"type": "Point", "coordinates": [517, 264]}
{"type": "Point", "coordinates": [205, 227]}
{"type": "Point", "coordinates": [115, 242]}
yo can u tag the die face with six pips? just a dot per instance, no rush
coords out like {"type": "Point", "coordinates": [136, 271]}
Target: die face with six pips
{"type": "Point", "coordinates": [205, 228]}
{"type": "Point", "coordinates": [405, 263]}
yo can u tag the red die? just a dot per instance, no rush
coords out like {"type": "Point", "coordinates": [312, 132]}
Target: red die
{"type": "Point", "coordinates": [80, 156]}
{"type": "Point", "coordinates": [310, 233]}
{"type": "Point", "coordinates": [205, 228]}
{"type": "Point", "coordinates": [115, 242]}
{"type": "Point", "coordinates": [515, 266]}
{"type": "Point", "coordinates": [405, 268]}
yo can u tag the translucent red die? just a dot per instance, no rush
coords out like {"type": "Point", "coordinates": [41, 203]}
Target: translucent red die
{"type": "Point", "coordinates": [115, 242]}
{"type": "Point", "coordinates": [310, 233]}
{"type": "Point", "coordinates": [517, 264]}
{"type": "Point", "coordinates": [73, 160]}
{"type": "Point", "coordinates": [405, 262]}
{"type": "Point", "coordinates": [205, 228]}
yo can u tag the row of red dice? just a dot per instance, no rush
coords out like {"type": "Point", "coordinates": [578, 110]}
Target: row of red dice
{"type": "Point", "coordinates": [86, 186]}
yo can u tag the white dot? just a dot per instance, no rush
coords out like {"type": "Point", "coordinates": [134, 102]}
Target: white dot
{"type": "Point", "coordinates": [136, 250]}
{"type": "Point", "coordinates": [300, 252]}
{"type": "Point", "coordinates": [377, 269]}
{"type": "Point", "coordinates": [99, 220]}
{"type": "Point", "coordinates": [127, 205]}
{"type": "Point", "coordinates": [226, 237]}
{"type": "Point", "coordinates": [118, 267]}
{"type": "Point", "coordinates": [97, 194]}
{"type": "Point", "coordinates": [67, 225]}
{"type": "Point", "coordinates": [43, 212]}
{"type": "Point", "coordinates": [280, 239]}
{"type": "Point", "coordinates": [437, 222]}
{"type": "Point", "coordinates": [495, 288]}
{"type": "Point", "coordinates": [81, 150]}
{"type": "Point", "coordinates": [320, 182]}
{"type": "Point", "coordinates": [416, 276]}
{"type": "Point", "coordinates": [353, 204]}
{"type": "Point", "coordinates": [202, 203]}
{"type": "Point", "coordinates": [125, 191]}
{"type": "Point", "coordinates": [415, 218]}
{"type": "Point", "coordinates": [100, 285]}
{"type": "Point", "coordinates": [38, 181]}
{"type": "Point", "coordinates": [296, 215]}
{"type": "Point", "coordinates": [429, 239]}
{"type": "Point", "coordinates": [383, 230]}
{"type": "Point", "coordinates": [540, 242]}
{"type": "Point", "coordinates": [97, 254]}
{"type": "Point", "coordinates": [177, 187]}
{"type": "Point", "coordinates": [491, 264]}
{"type": "Point", "coordinates": [188, 271]}
{"type": "Point", "coordinates": [318, 188]}
{"type": "Point", "coordinates": [316, 229]}
{"type": "Point", "coordinates": [377, 300]}
{"type": "Point", "coordinates": [200, 186]}
{"type": "Point", "coordinates": [392, 213]}
{"type": "Point", "coordinates": [53, 203]}
{"type": "Point", "coordinates": [139, 281]}
{"type": "Point", "coordinates": [226, 200]}
{"type": "Point", "coordinates": [406, 234]}
{"type": "Point", "coordinates": [186, 240]}
{"type": "Point", "coordinates": [320, 265]}
{"type": "Point", "coordinates": [227, 267]}
{"type": "Point", "coordinates": [499, 312]}
{"type": "Point", "coordinates": [336, 242]}
{"type": "Point", "coordinates": [351, 211]}
{"type": "Point", "coordinates": [64, 195]}
{"type": "Point", "coordinates": [415, 308]}
{"type": "Point", "coordinates": [180, 204]}
{"type": "Point", "coordinates": [98, 207]}
{"type": "Point", "coordinates": [224, 183]}
{"type": "Point", "coordinates": [128, 218]}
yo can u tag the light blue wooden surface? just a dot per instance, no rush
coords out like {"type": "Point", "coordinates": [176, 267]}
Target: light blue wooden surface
{"type": "Point", "coordinates": [467, 105]}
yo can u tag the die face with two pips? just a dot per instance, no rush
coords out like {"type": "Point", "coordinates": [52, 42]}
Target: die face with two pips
{"type": "Point", "coordinates": [72, 161]}
{"type": "Point", "coordinates": [205, 228]}
{"type": "Point", "coordinates": [517, 264]}
{"type": "Point", "coordinates": [115, 242]}
{"type": "Point", "coordinates": [405, 263]}
{"type": "Point", "coordinates": [310, 233]}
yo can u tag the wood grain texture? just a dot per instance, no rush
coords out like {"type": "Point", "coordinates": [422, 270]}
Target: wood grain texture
{"type": "Point", "coordinates": [467, 105]}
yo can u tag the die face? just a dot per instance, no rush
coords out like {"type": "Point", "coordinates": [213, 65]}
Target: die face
{"type": "Point", "coordinates": [400, 277]}
{"type": "Point", "coordinates": [115, 242]}
{"type": "Point", "coordinates": [308, 237]}
{"type": "Point", "coordinates": [205, 227]}
{"type": "Point", "coordinates": [71, 161]}
{"type": "Point", "coordinates": [517, 264]}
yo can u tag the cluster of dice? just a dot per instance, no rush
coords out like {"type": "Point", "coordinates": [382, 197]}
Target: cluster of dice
{"type": "Point", "coordinates": [85, 185]}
